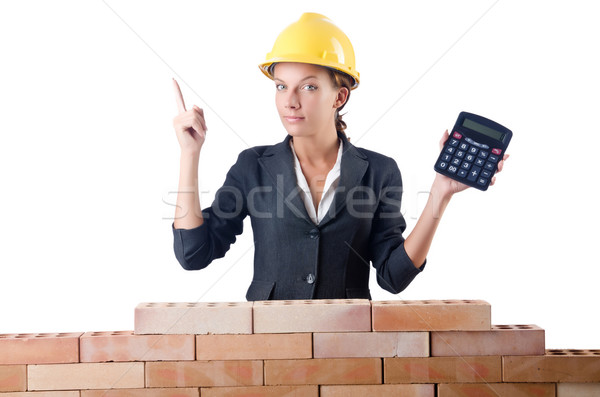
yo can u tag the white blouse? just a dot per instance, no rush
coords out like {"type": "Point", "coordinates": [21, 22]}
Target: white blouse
{"type": "Point", "coordinates": [331, 183]}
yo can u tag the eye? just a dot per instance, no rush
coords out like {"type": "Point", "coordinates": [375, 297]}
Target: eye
{"type": "Point", "coordinates": [279, 87]}
{"type": "Point", "coordinates": [310, 87]}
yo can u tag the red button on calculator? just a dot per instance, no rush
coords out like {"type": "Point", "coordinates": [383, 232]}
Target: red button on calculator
{"type": "Point", "coordinates": [457, 135]}
{"type": "Point", "coordinates": [497, 152]}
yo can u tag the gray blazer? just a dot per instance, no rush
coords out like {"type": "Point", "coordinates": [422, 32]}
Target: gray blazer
{"type": "Point", "coordinates": [293, 257]}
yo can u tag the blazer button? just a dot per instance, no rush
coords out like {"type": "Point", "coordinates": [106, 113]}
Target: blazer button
{"type": "Point", "coordinates": [310, 279]}
{"type": "Point", "coordinates": [314, 233]}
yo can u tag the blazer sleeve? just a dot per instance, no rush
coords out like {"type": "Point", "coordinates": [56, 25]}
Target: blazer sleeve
{"type": "Point", "coordinates": [196, 248]}
{"type": "Point", "coordinates": [395, 270]}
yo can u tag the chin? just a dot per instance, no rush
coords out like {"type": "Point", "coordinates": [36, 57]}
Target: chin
{"type": "Point", "coordinates": [294, 130]}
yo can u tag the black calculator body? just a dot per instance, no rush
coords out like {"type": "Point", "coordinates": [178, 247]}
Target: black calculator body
{"type": "Point", "coordinates": [473, 150]}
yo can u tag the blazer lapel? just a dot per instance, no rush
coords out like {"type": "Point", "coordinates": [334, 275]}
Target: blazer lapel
{"type": "Point", "coordinates": [352, 168]}
{"type": "Point", "coordinates": [278, 162]}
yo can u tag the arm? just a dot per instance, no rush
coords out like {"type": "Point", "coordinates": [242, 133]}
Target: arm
{"type": "Point", "coordinates": [395, 269]}
{"type": "Point", "coordinates": [201, 236]}
{"type": "Point", "coordinates": [398, 261]}
{"type": "Point", "coordinates": [417, 244]}
{"type": "Point", "coordinates": [188, 214]}
{"type": "Point", "coordinates": [190, 129]}
{"type": "Point", "coordinates": [197, 247]}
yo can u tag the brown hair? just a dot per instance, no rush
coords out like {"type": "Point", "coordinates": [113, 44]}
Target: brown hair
{"type": "Point", "coordinates": [340, 79]}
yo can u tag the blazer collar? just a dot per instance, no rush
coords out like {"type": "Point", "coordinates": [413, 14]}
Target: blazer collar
{"type": "Point", "coordinates": [278, 162]}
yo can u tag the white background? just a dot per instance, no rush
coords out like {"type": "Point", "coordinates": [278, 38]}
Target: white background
{"type": "Point", "coordinates": [89, 160]}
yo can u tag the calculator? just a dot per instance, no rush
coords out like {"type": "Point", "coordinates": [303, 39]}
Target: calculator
{"type": "Point", "coordinates": [473, 150]}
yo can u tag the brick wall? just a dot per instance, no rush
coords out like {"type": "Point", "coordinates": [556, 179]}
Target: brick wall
{"type": "Point", "coordinates": [314, 348]}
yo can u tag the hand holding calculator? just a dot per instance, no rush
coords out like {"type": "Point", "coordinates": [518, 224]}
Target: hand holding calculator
{"type": "Point", "coordinates": [472, 152]}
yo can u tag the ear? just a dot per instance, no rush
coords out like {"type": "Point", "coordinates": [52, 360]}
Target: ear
{"type": "Point", "coordinates": [341, 97]}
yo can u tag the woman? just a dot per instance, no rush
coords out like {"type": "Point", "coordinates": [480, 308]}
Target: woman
{"type": "Point", "coordinates": [321, 209]}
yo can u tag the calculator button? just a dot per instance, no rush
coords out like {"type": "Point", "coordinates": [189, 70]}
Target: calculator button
{"type": "Point", "coordinates": [470, 158]}
{"type": "Point", "coordinates": [473, 174]}
{"type": "Point", "coordinates": [452, 169]}
{"type": "Point", "coordinates": [457, 135]}
{"type": "Point", "coordinates": [493, 158]}
{"type": "Point", "coordinates": [442, 165]}
{"type": "Point", "coordinates": [462, 173]}
{"type": "Point", "coordinates": [464, 146]}
{"type": "Point", "coordinates": [453, 142]}
{"type": "Point", "coordinates": [482, 181]}
{"type": "Point", "coordinates": [479, 162]}
{"type": "Point", "coordinates": [456, 161]}
{"type": "Point", "coordinates": [450, 149]}
{"type": "Point", "coordinates": [497, 152]}
{"type": "Point", "coordinates": [486, 174]}
{"type": "Point", "coordinates": [460, 154]}
{"type": "Point", "coordinates": [473, 150]}
{"type": "Point", "coordinates": [490, 166]}
{"type": "Point", "coordinates": [483, 154]}
{"type": "Point", "coordinates": [466, 165]}
{"type": "Point", "coordinates": [446, 157]}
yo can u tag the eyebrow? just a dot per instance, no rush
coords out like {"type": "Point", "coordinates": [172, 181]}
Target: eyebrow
{"type": "Point", "coordinates": [306, 78]}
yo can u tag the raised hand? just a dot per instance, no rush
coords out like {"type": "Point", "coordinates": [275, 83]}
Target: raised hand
{"type": "Point", "coordinates": [445, 185]}
{"type": "Point", "coordinates": [189, 125]}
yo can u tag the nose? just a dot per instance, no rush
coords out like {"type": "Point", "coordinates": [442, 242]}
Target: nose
{"type": "Point", "coordinates": [291, 101]}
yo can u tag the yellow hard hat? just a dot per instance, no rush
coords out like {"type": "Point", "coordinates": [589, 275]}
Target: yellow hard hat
{"type": "Point", "coordinates": [313, 39]}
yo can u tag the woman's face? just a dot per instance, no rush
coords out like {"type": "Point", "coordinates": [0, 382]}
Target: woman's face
{"type": "Point", "coordinates": [306, 99]}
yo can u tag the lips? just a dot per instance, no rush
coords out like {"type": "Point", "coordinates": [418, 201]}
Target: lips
{"type": "Point", "coordinates": [293, 119]}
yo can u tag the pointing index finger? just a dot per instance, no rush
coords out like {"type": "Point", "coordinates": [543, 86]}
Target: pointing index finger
{"type": "Point", "coordinates": [178, 97]}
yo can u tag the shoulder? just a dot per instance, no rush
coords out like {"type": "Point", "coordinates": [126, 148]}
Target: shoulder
{"type": "Point", "coordinates": [255, 152]}
{"type": "Point", "coordinates": [382, 169]}
{"type": "Point", "coordinates": [379, 162]}
{"type": "Point", "coordinates": [251, 155]}
{"type": "Point", "coordinates": [251, 161]}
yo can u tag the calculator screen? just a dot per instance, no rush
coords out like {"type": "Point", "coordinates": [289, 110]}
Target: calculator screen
{"type": "Point", "coordinates": [483, 129]}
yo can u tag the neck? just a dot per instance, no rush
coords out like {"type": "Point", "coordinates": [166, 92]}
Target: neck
{"type": "Point", "coordinates": [316, 150]}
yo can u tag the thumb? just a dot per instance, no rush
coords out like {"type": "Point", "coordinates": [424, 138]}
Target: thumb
{"type": "Point", "coordinates": [199, 109]}
{"type": "Point", "coordinates": [445, 137]}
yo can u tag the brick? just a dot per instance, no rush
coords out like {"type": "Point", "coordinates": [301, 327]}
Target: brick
{"type": "Point", "coordinates": [261, 391]}
{"type": "Point", "coordinates": [422, 390]}
{"type": "Point", "coordinates": [431, 315]}
{"type": "Point", "coordinates": [125, 346]}
{"type": "Point", "coordinates": [13, 377]}
{"type": "Point", "coordinates": [578, 389]}
{"type": "Point", "coordinates": [371, 344]}
{"type": "Point", "coordinates": [175, 392]}
{"type": "Point", "coordinates": [556, 366]}
{"type": "Point", "coordinates": [319, 315]}
{"type": "Point", "coordinates": [497, 390]}
{"type": "Point", "coordinates": [443, 369]}
{"type": "Point", "coordinates": [501, 340]}
{"type": "Point", "coordinates": [85, 376]}
{"type": "Point", "coordinates": [256, 346]}
{"type": "Point", "coordinates": [204, 373]}
{"type": "Point", "coordinates": [61, 393]}
{"type": "Point", "coordinates": [321, 371]}
{"type": "Point", "coordinates": [194, 318]}
{"type": "Point", "coordinates": [39, 348]}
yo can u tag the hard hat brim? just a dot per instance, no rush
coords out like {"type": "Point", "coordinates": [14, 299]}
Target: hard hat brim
{"type": "Point", "coordinates": [265, 67]}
